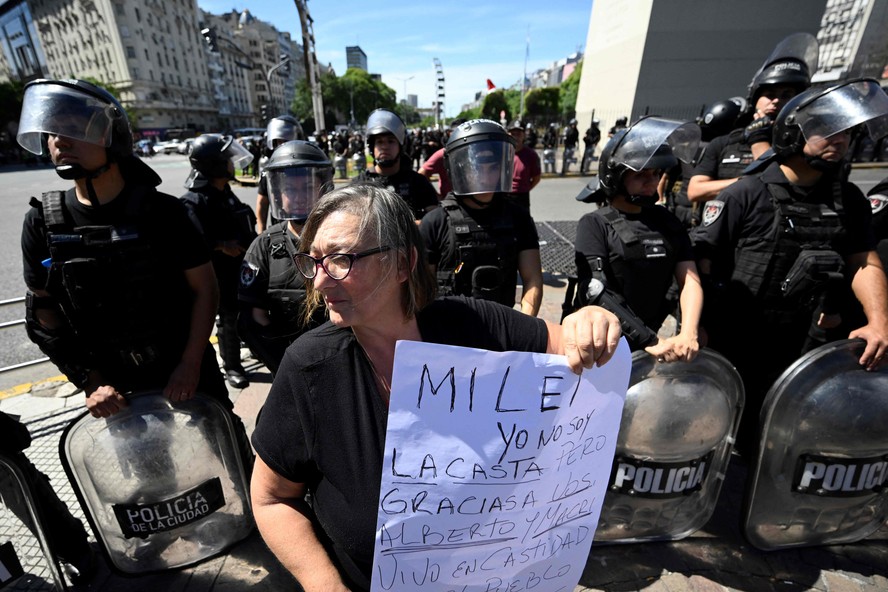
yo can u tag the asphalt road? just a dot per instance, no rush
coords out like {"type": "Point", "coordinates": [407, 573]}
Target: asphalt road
{"type": "Point", "coordinates": [552, 200]}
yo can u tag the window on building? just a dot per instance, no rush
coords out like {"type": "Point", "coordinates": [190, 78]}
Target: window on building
{"type": "Point", "coordinates": [119, 9]}
{"type": "Point", "coordinates": [138, 16]}
{"type": "Point", "coordinates": [130, 52]}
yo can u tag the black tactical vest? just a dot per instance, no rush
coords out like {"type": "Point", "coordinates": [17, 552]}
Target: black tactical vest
{"type": "Point", "coordinates": [734, 157]}
{"type": "Point", "coordinates": [762, 264]}
{"type": "Point", "coordinates": [644, 273]}
{"type": "Point", "coordinates": [286, 286]}
{"type": "Point", "coordinates": [112, 286]}
{"type": "Point", "coordinates": [486, 258]}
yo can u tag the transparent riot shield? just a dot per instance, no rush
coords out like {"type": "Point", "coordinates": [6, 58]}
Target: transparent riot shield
{"type": "Point", "coordinates": [822, 465]}
{"type": "Point", "coordinates": [161, 483]}
{"type": "Point", "coordinates": [676, 435]}
{"type": "Point", "coordinates": [26, 561]}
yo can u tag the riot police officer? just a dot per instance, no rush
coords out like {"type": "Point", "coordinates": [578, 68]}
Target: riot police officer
{"type": "Point", "coordinates": [121, 292]}
{"type": "Point", "coordinates": [571, 139]}
{"type": "Point", "coordinates": [590, 141]}
{"type": "Point", "coordinates": [478, 242]}
{"type": "Point", "coordinates": [386, 135]}
{"type": "Point", "coordinates": [279, 130]}
{"type": "Point", "coordinates": [272, 291]}
{"type": "Point", "coordinates": [226, 224]}
{"type": "Point", "coordinates": [633, 248]}
{"type": "Point", "coordinates": [799, 242]}
{"type": "Point", "coordinates": [784, 74]}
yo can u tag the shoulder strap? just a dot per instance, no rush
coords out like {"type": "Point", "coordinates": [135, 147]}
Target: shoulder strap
{"type": "Point", "coordinates": [54, 210]}
{"type": "Point", "coordinates": [620, 226]}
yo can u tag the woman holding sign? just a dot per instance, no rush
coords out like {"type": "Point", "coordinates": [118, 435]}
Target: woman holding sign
{"type": "Point", "coordinates": [323, 426]}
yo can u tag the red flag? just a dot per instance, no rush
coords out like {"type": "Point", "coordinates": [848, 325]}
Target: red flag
{"type": "Point", "coordinates": [490, 85]}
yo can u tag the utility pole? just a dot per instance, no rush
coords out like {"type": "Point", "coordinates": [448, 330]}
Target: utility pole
{"type": "Point", "coordinates": [311, 64]}
{"type": "Point", "coordinates": [439, 90]}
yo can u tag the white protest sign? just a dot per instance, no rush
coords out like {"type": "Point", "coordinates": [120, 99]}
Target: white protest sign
{"type": "Point", "coordinates": [496, 465]}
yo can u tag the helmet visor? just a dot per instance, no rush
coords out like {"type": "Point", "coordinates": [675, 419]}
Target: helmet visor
{"type": "Point", "coordinates": [645, 138]}
{"type": "Point", "coordinates": [62, 111]}
{"type": "Point", "coordinates": [294, 191]}
{"type": "Point", "coordinates": [482, 167]}
{"type": "Point", "coordinates": [856, 103]}
{"type": "Point", "coordinates": [240, 157]}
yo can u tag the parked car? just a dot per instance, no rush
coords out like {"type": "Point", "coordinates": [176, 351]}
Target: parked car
{"type": "Point", "coordinates": [167, 147]}
{"type": "Point", "coordinates": [185, 146]}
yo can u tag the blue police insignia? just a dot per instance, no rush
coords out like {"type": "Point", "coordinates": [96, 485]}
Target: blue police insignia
{"type": "Point", "coordinates": [712, 211]}
{"type": "Point", "coordinates": [248, 273]}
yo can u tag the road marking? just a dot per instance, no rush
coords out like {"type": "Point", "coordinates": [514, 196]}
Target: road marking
{"type": "Point", "coordinates": [26, 387]}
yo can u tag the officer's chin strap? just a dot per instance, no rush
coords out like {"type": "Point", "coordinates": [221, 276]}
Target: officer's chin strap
{"type": "Point", "coordinates": [75, 171]}
{"type": "Point", "coordinates": [480, 204]}
{"type": "Point", "coordinates": [643, 200]}
{"type": "Point", "coordinates": [824, 166]}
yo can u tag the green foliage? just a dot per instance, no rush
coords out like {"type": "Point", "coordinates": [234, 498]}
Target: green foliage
{"type": "Point", "coordinates": [569, 90]}
{"type": "Point", "coordinates": [493, 103]}
{"type": "Point", "coordinates": [10, 106]}
{"type": "Point", "coordinates": [355, 89]}
{"type": "Point", "coordinates": [542, 104]}
{"type": "Point", "coordinates": [473, 113]}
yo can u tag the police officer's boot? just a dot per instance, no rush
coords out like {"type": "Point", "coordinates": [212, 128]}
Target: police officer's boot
{"type": "Point", "coordinates": [229, 348]}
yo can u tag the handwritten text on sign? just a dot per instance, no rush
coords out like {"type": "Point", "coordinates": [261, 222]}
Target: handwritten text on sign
{"type": "Point", "coordinates": [495, 468]}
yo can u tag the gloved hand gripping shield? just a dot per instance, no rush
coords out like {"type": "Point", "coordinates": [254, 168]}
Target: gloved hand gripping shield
{"type": "Point", "coordinates": [822, 465]}
{"type": "Point", "coordinates": [676, 435]}
{"type": "Point", "coordinates": [163, 485]}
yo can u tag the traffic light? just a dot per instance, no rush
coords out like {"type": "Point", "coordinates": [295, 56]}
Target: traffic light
{"type": "Point", "coordinates": [285, 69]}
{"type": "Point", "coordinates": [263, 110]}
{"type": "Point", "coordinates": [209, 35]}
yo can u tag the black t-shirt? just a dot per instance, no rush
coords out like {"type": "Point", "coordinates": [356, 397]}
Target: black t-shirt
{"type": "Point", "coordinates": [643, 282]}
{"type": "Point", "coordinates": [726, 157]}
{"type": "Point", "coordinates": [324, 421]}
{"type": "Point", "coordinates": [414, 188]}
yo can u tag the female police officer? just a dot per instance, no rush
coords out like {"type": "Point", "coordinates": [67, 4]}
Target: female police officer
{"type": "Point", "coordinates": [272, 291]}
{"type": "Point", "coordinates": [629, 250]}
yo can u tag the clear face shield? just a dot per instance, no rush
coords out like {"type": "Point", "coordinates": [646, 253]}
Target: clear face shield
{"type": "Point", "coordinates": [640, 149]}
{"type": "Point", "coordinates": [62, 111]}
{"type": "Point", "coordinates": [294, 191]}
{"type": "Point", "coordinates": [482, 167]}
{"type": "Point", "coordinates": [857, 103]}
{"type": "Point", "coordinates": [799, 47]}
{"type": "Point", "coordinates": [240, 157]}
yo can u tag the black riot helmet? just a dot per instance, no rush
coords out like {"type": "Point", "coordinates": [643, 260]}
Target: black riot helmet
{"type": "Point", "coordinates": [298, 174]}
{"type": "Point", "coordinates": [383, 121]}
{"type": "Point", "coordinates": [210, 157]}
{"type": "Point", "coordinates": [283, 128]}
{"type": "Point", "coordinates": [825, 112]}
{"type": "Point", "coordinates": [721, 117]}
{"type": "Point", "coordinates": [479, 158]}
{"type": "Point", "coordinates": [649, 143]}
{"type": "Point", "coordinates": [78, 110]}
{"type": "Point", "coordinates": [792, 63]}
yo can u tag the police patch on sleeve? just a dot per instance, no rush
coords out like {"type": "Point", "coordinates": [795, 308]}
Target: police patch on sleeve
{"type": "Point", "coordinates": [878, 202]}
{"type": "Point", "coordinates": [712, 211]}
{"type": "Point", "coordinates": [248, 273]}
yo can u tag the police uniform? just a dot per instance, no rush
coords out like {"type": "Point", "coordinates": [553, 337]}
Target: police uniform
{"type": "Point", "coordinates": [221, 216]}
{"type": "Point", "coordinates": [460, 239]}
{"type": "Point", "coordinates": [726, 157]}
{"type": "Point", "coordinates": [636, 254]}
{"type": "Point", "coordinates": [759, 226]}
{"type": "Point", "coordinates": [118, 273]}
{"type": "Point", "coordinates": [414, 188]}
{"type": "Point", "coordinates": [270, 281]}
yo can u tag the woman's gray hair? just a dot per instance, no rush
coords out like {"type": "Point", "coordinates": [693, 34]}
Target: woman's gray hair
{"type": "Point", "coordinates": [386, 218]}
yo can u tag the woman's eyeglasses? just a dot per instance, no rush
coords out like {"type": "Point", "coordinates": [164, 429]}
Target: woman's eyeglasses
{"type": "Point", "coordinates": [337, 265]}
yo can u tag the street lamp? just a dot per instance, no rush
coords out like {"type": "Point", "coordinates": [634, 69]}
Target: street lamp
{"type": "Point", "coordinates": [405, 80]}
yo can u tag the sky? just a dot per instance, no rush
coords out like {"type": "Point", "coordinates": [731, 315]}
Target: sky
{"type": "Point", "coordinates": [474, 41]}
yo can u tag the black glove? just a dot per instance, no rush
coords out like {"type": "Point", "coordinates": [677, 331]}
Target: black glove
{"type": "Point", "coordinates": [759, 130]}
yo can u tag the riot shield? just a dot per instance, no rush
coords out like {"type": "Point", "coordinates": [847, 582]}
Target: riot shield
{"type": "Point", "coordinates": [26, 561]}
{"type": "Point", "coordinates": [822, 465]}
{"type": "Point", "coordinates": [162, 484]}
{"type": "Point", "coordinates": [678, 427]}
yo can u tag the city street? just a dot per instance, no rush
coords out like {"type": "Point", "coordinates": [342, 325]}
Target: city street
{"type": "Point", "coordinates": [552, 200]}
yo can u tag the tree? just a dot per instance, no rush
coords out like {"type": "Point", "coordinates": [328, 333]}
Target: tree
{"type": "Point", "coordinates": [493, 104]}
{"type": "Point", "coordinates": [542, 104]}
{"type": "Point", "coordinates": [354, 93]}
{"type": "Point", "coordinates": [11, 94]}
{"type": "Point", "coordinates": [569, 89]}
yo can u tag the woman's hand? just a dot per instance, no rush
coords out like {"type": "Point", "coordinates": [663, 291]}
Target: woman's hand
{"type": "Point", "coordinates": [681, 347]}
{"type": "Point", "coordinates": [588, 338]}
